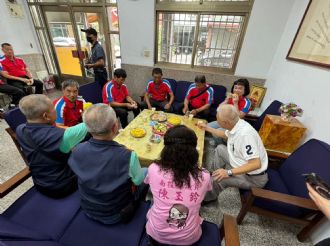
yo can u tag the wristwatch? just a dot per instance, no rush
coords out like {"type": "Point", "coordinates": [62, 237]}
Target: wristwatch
{"type": "Point", "coordinates": [230, 173]}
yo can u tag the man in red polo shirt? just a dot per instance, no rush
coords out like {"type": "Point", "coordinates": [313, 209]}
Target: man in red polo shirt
{"type": "Point", "coordinates": [16, 72]}
{"type": "Point", "coordinates": [199, 98]}
{"type": "Point", "coordinates": [115, 94]}
{"type": "Point", "coordinates": [69, 107]}
{"type": "Point", "coordinates": [157, 93]}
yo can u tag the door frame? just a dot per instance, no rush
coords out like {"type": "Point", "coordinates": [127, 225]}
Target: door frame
{"type": "Point", "coordinates": [71, 10]}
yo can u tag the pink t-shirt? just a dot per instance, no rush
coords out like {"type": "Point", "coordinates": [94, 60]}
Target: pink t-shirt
{"type": "Point", "coordinates": [174, 216]}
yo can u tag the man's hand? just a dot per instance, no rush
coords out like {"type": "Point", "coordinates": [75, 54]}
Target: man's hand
{"type": "Point", "coordinates": [88, 66]}
{"type": "Point", "coordinates": [184, 110]}
{"type": "Point", "coordinates": [322, 203]}
{"type": "Point", "coordinates": [194, 112]}
{"type": "Point", "coordinates": [26, 81]}
{"type": "Point", "coordinates": [167, 106]}
{"type": "Point", "coordinates": [201, 125]}
{"type": "Point", "coordinates": [30, 81]}
{"type": "Point", "coordinates": [129, 106]}
{"type": "Point", "coordinates": [220, 174]}
{"type": "Point", "coordinates": [235, 98]}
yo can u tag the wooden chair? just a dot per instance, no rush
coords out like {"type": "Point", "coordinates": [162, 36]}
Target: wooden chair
{"type": "Point", "coordinates": [285, 196]}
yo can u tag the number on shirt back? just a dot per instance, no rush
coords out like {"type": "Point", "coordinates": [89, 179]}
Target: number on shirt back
{"type": "Point", "coordinates": [248, 149]}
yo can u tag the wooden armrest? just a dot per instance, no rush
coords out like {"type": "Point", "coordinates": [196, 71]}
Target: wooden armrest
{"type": "Point", "coordinates": [277, 154]}
{"type": "Point", "coordinates": [285, 198]}
{"type": "Point", "coordinates": [14, 181]}
{"type": "Point", "coordinates": [230, 231]}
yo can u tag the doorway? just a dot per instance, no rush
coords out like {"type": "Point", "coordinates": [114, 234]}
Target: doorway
{"type": "Point", "coordinates": [69, 45]}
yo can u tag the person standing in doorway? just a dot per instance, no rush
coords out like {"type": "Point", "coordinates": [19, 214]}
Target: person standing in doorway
{"type": "Point", "coordinates": [97, 58]}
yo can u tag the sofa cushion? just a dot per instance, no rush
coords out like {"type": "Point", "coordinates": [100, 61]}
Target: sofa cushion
{"type": "Point", "coordinates": [313, 156]}
{"type": "Point", "coordinates": [210, 236]}
{"type": "Point", "coordinates": [173, 84]}
{"type": "Point", "coordinates": [85, 231]}
{"type": "Point", "coordinates": [10, 230]}
{"type": "Point", "coordinates": [43, 214]}
{"type": "Point", "coordinates": [219, 95]}
{"type": "Point", "coordinates": [29, 243]}
{"type": "Point", "coordinates": [181, 90]}
{"type": "Point", "coordinates": [275, 183]}
{"type": "Point", "coordinates": [91, 92]}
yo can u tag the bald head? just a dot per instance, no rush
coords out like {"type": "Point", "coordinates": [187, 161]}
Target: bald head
{"type": "Point", "coordinates": [100, 119]}
{"type": "Point", "coordinates": [35, 106]}
{"type": "Point", "coordinates": [227, 113]}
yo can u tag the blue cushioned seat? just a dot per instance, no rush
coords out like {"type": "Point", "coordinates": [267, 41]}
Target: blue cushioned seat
{"type": "Point", "coordinates": [84, 231]}
{"type": "Point", "coordinates": [14, 118]}
{"type": "Point", "coordinates": [173, 84]}
{"type": "Point", "coordinates": [218, 97]}
{"type": "Point", "coordinates": [276, 184]}
{"type": "Point", "coordinates": [45, 215]}
{"type": "Point", "coordinates": [30, 243]}
{"type": "Point", "coordinates": [91, 92]}
{"type": "Point", "coordinates": [180, 94]}
{"type": "Point", "coordinates": [210, 236]}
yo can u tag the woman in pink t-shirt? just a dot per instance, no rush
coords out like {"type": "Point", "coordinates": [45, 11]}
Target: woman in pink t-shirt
{"type": "Point", "coordinates": [178, 187]}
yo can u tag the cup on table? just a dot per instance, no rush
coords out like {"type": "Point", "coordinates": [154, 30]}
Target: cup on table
{"type": "Point", "coordinates": [191, 116]}
{"type": "Point", "coordinates": [153, 109]}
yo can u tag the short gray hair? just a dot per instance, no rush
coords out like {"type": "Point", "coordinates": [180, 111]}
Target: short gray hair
{"type": "Point", "coordinates": [69, 82]}
{"type": "Point", "coordinates": [228, 112]}
{"type": "Point", "coordinates": [99, 119]}
{"type": "Point", "coordinates": [34, 106]}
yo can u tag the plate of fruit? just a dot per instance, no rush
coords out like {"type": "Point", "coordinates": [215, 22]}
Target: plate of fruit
{"type": "Point", "coordinates": [159, 129]}
{"type": "Point", "coordinates": [159, 117]}
{"type": "Point", "coordinates": [174, 121]}
{"type": "Point", "coordinates": [138, 132]}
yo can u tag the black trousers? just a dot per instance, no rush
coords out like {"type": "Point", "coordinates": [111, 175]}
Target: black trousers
{"type": "Point", "coordinates": [122, 113]}
{"type": "Point", "coordinates": [101, 78]}
{"type": "Point", "coordinates": [22, 86]}
{"type": "Point", "coordinates": [15, 93]}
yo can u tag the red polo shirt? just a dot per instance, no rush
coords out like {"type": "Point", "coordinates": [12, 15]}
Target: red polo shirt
{"type": "Point", "coordinates": [112, 92]}
{"type": "Point", "coordinates": [159, 92]}
{"type": "Point", "coordinates": [15, 67]}
{"type": "Point", "coordinates": [200, 101]}
{"type": "Point", "coordinates": [244, 104]}
{"type": "Point", "coordinates": [68, 113]}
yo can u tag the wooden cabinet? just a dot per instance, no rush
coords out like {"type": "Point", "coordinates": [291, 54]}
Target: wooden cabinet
{"type": "Point", "coordinates": [279, 135]}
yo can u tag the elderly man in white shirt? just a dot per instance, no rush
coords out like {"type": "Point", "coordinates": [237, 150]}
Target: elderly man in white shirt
{"type": "Point", "coordinates": [244, 153]}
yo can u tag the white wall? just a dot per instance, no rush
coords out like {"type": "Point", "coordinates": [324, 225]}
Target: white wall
{"type": "Point", "coordinates": [18, 32]}
{"type": "Point", "coordinates": [306, 85]}
{"type": "Point", "coordinates": [264, 31]}
{"type": "Point", "coordinates": [266, 24]}
{"type": "Point", "coordinates": [137, 31]}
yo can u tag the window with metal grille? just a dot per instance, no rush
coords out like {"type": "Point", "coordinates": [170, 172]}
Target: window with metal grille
{"type": "Point", "coordinates": [201, 33]}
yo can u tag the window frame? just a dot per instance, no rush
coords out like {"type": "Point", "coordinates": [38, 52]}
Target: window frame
{"type": "Point", "coordinates": [239, 8]}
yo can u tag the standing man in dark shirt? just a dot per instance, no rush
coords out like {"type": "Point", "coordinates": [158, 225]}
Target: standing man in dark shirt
{"type": "Point", "coordinates": [97, 57]}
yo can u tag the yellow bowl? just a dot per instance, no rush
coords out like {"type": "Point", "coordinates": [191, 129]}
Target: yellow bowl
{"type": "Point", "coordinates": [138, 132]}
{"type": "Point", "coordinates": [174, 121]}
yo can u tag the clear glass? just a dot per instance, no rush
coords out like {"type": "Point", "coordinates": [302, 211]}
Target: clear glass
{"type": "Point", "coordinates": [45, 46]}
{"type": "Point", "coordinates": [115, 51]}
{"type": "Point", "coordinates": [113, 18]}
{"type": "Point", "coordinates": [62, 37]}
{"type": "Point", "coordinates": [175, 37]}
{"type": "Point", "coordinates": [218, 40]}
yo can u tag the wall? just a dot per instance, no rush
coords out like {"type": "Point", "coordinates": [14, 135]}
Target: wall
{"type": "Point", "coordinates": [266, 25]}
{"type": "Point", "coordinates": [137, 32]}
{"type": "Point", "coordinates": [19, 32]}
{"type": "Point", "coordinates": [267, 21]}
{"type": "Point", "coordinates": [306, 85]}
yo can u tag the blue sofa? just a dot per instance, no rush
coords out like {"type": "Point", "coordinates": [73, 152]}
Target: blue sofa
{"type": "Point", "coordinates": [37, 220]}
{"type": "Point", "coordinates": [285, 196]}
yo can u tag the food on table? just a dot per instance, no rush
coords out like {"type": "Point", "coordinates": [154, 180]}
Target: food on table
{"type": "Point", "coordinates": [174, 120]}
{"type": "Point", "coordinates": [160, 117]}
{"type": "Point", "coordinates": [86, 105]}
{"type": "Point", "coordinates": [138, 132]}
{"type": "Point", "coordinates": [155, 138]}
{"type": "Point", "coordinates": [159, 128]}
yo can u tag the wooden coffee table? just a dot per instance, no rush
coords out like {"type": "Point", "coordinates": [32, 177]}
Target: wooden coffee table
{"type": "Point", "coordinates": [139, 145]}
